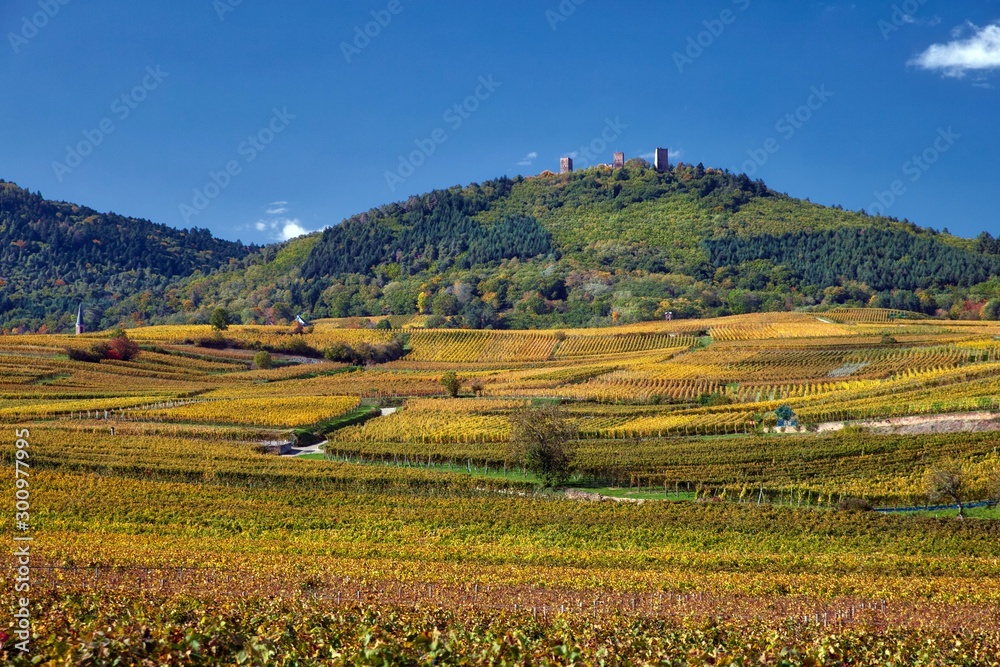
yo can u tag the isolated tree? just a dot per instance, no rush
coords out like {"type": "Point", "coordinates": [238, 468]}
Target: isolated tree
{"type": "Point", "coordinates": [220, 319]}
{"type": "Point", "coordinates": [451, 383]}
{"type": "Point", "coordinates": [785, 413]}
{"type": "Point", "coordinates": [540, 439]}
{"type": "Point", "coordinates": [477, 387]}
{"type": "Point", "coordinates": [947, 481]}
{"type": "Point", "coordinates": [263, 360]}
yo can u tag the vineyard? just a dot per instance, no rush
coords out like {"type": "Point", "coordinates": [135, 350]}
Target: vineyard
{"type": "Point", "coordinates": [408, 532]}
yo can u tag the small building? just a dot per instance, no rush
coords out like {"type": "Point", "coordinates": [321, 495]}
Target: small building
{"type": "Point", "coordinates": [661, 160]}
{"type": "Point", "coordinates": [80, 328]}
{"type": "Point", "coordinates": [566, 165]}
{"type": "Point", "coordinates": [619, 162]}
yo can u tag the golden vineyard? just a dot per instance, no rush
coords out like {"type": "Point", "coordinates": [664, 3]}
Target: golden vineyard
{"type": "Point", "coordinates": [192, 499]}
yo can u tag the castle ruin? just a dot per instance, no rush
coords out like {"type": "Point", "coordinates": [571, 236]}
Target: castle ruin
{"type": "Point", "coordinates": [661, 161]}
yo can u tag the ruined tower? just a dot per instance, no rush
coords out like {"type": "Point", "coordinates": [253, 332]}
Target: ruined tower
{"type": "Point", "coordinates": [80, 328]}
{"type": "Point", "coordinates": [566, 165]}
{"type": "Point", "coordinates": [619, 161]}
{"type": "Point", "coordinates": [662, 159]}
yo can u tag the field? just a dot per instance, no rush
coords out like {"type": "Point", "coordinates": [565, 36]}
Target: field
{"type": "Point", "coordinates": [165, 531]}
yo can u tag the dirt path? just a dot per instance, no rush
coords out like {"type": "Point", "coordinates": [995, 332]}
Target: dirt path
{"type": "Point", "coordinates": [923, 424]}
{"type": "Point", "coordinates": [577, 494]}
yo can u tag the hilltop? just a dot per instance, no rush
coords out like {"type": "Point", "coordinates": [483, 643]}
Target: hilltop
{"type": "Point", "coordinates": [591, 248]}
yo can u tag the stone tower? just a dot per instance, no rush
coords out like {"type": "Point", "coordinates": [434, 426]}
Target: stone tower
{"type": "Point", "coordinates": [619, 161]}
{"type": "Point", "coordinates": [566, 165]}
{"type": "Point", "coordinates": [662, 159]}
{"type": "Point", "coordinates": [80, 328]}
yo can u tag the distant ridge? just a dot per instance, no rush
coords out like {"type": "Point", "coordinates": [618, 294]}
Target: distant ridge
{"type": "Point", "coordinates": [594, 247]}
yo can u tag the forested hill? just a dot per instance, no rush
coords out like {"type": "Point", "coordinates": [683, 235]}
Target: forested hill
{"type": "Point", "coordinates": [591, 248]}
{"type": "Point", "coordinates": [55, 255]}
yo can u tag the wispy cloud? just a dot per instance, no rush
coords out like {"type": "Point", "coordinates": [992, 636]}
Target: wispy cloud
{"type": "Point", "coordinates": [528, 159]}
{"type": "Point", "coordinates": [979, 52]}
{"type": "Point", "coordinates": [277, 208]}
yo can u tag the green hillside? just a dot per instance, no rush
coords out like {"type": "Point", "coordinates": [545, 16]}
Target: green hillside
{"type": "Point", "coordinates": [591, 248]}
{"type": "Point", "coordinates": [55, 255]}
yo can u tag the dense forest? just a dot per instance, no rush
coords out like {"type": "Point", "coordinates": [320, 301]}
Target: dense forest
{"type": "Point", "coordinates": [439, 228]}
{"type": "Point", "coordinates": [56, 255]}
{"type": "Point", "coordinates": [883, 259]}
{"type": "Point", "coordinates": [593, 248]}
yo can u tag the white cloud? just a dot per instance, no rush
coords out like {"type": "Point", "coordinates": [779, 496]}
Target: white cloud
{"type": "Point", "coordinates": [528, 159]}
{"type": "Point", "coordinates": [280, 226]}
{"type": "Point", "coordinates": [979, 52]}
{"type": "Point", "coordinates": [282, 229]}
{"type": "Point", "coordinates": [291, 229]}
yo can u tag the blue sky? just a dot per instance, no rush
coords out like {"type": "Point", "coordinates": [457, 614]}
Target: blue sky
{"type": "Point", "coordinates": [260, 120]}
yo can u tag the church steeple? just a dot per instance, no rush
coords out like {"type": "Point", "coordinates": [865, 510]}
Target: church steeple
{"type": "Point", "coordinates": [79, 320]}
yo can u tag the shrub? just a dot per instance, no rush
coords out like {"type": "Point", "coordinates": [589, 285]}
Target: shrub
{"type": "Point", "coordinates": [435, 321]}
{"type": "Point", "coordinates": [855, 505]}
{"type": "Point", "coordinates": [384, 325]}
{"type": "Point", "coordinates": [298, 346]}
{"type": "Point", "coordinates": [218, 342]}
{"type": "Point", "coordinates": [714, 399]}
{"type": "Point", "coordinates": [263, 360]}
{"type": "Point", "coordinates": [89, 355]}
{"type": "Point", "coordinates": [451, 383]}
{"type": "Point", "coordinates": [337, 351]}
{"type": "Point", "coordinates": [121, 347]}
{"type": "Point", "coordinates": [364, 353]}
{"type": "Point", "coordinates": [991, 310]}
